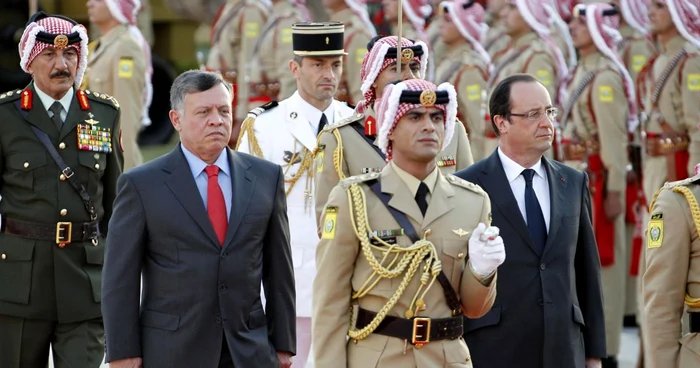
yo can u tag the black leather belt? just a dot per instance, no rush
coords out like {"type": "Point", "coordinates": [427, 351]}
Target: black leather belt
{"type": "Point", "coordinates": [694, 322]}
{"type": "Point", "coordinates": [418, 330]}
{"type": "Point", "coordinates": [62, 233]}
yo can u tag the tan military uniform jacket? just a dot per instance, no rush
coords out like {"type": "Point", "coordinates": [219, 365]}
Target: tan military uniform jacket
{"type": "Point", "coordinates": [635, 50]}
{"type": "Point", "coordinates": [496, 42]}
{"type": "Point", "coordinates": [356, 39]}
{"type": "Point", "coordinates": [464, 68]}
{"type": "Point", "coordinates": [600, 115]}
{"type": "Point", "coordinates": [233, 41]}
{"type": "Point", "coordinates": [274, 51]}
{"type": "Point", "coordinates": [677, 105]}
{"type": "Point", "coordinates": [672, 274]}
{"type": "Point", "coordinates": [407, 31]}
{"type": "Point", "coordinates": [341, 149]}
{"type": "Point", "coordinates": [117, 66]}
{"type": "Point", "coordinates": [438, 49]}
{"type": "Point", "coordinates": [343, 269]}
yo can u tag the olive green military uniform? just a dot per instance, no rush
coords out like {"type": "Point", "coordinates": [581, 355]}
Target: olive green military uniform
{"type": "Point", "coordinates": [672, 277]}
{"type": "Point", "coordinates": [344, 151]}
{"type": "Point", "coordinates": [529, 54]}
{"type": "Point", "coordinates": [344, 287]}
{"type": "Point", "coordinates": [233, 38]}
{"type": "Point", "coordinates": [356, 39]}
{"type": "Point", "coordinates": [51, 293]}
{"type": "Point", "coordinates": [597, 125]}
{"type": "Point", "coordinates": [118, 66]}
{"type": "Point", "coordinates": [271, 55]}
{"type": "Point", "coordinates": [468, 72]}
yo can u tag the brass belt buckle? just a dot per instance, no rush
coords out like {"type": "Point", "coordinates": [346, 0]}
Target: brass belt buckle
{"type": "Point", "coordinates": [64, 231]}
{"type": "Point", "coordinates": [421, 332]}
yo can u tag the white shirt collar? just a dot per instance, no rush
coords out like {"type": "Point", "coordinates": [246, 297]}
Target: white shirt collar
{"type": "Point", "coordinates": [47, 100]}
{"type": "Point", "coordinates": [197, 165]}
{"type": "Point", "coordinates": [514, 169]}
{"type": "Point", "coordinates": [312, 114]}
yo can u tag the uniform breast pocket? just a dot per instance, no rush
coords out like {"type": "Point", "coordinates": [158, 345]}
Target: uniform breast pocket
{"type": "Point", "coordinates": [26, 169]}
{"type": "Point", "coordinates": [454, 253]}
{"type": "Point", "coordinates": [94, 163]}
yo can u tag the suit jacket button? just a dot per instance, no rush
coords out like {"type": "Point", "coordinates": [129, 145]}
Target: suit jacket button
{"type": "Point", "coordinates": [218, 320]}
{"type": "Point", "coordinates": [222, 287]}
{"type": "Point", "coordinates": [542, 266]}
{"type": "Point", "coordinates": [540, 302]}
{"type": "Point", "coordinates": [4, 256]}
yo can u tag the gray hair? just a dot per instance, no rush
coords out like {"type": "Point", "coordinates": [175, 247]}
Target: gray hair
{"type": "Point", "coordinates": [193, 81]}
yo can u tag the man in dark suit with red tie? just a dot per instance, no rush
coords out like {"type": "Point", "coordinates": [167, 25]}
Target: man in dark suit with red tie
{"type": "Point", "coordinates": [204, 226]}
{"type": "Point", "coordinates": [548, 311]}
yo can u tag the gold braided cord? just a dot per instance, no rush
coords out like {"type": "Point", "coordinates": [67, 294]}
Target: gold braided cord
{"type": "Point", "coordinates": [338, 155]}
{"type": "Point", "coordinates": [306, 167]}
{"type": "Point", "coordinates": [247, 129]}
{"type": "Point", "coordinates": [410, 259]}
{"type": "Point", "coordinates": [695, 213]}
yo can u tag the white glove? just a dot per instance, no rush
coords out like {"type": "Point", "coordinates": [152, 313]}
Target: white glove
{"type": "Point", "coordinates": [485, 254]}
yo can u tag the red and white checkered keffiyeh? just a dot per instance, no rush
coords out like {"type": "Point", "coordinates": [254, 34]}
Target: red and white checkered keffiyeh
{"type": "Point", "coordinates": [605, 35]}
{"type": "Point", "coordinates": [300, 5]}
{"type": "Point", "coordinates": [29, 47]}
{"type": "Point", "coordinates": [125, 12]}
{"type": "Point", "coordinates": [471, 24]}
{"type": "Point", "coordinates": [417, 11]}
{"type": "Point", "coordinates": [375, 61]}
{"type": "Point", "coordinates": [697, 169]}
{"type": "Point", "coordinates": [635, 13]}
{"type": "Point", "coordinates": [559, 12]}
{"type": "Point", "coordinates": [359, 7]}
{"type": "Point", "coordinates": [389, 110]}
{"type": "Point", "coordinates": [686, 17]}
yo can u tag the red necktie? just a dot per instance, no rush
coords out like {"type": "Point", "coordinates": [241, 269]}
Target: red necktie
{"type": "Point", "coordinates": [216, 206]}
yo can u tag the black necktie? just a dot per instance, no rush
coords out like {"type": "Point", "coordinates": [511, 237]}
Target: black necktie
{"type": "Point", "coordinates": [322, 123]}
{"type": "Point", "coordinates": [535, 219]}
{"type": "Point", "coordinates": [422, 197]}
{"type": "Point", "coordinates": [56, 118]}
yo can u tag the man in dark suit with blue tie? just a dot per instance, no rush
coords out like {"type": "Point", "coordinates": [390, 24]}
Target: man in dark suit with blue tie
{"type": "Point", "coordinates": [548, 311]}
{"type": "Point", "coordinates": [203, 226]}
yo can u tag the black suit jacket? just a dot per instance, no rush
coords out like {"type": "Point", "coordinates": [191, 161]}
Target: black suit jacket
{"type": "Point", "coordinates": [195, 290]}
{"type": "Point", "coordinates": [548, 311]}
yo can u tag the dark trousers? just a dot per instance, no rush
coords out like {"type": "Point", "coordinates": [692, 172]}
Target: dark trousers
{"type": "Point", "coordinates": [25, 343]}
{"type": "Point", "coordinates": [225, 361]}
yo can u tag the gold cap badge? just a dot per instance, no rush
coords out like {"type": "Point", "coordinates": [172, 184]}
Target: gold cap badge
{"type": "Point", "coordinates": [406, 55]}
{"type": "Point", "coordinates": [428, 98]}
{"type": "Point", "coordinates": [61, 41]}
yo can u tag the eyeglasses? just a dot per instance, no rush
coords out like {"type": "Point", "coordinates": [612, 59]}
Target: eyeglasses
{"type": "Point", "coordinates": [537, 114]}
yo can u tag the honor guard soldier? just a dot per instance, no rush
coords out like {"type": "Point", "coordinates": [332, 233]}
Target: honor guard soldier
{"type": "Point", "coordinates": [438, 49]}
{"type": "Point", "coordinates": [467, 65]}
{"type": "Point", "coordinates": [532, 52]}
{"type": "Point", "coordinates": [349, 147]}
{"type": "Point", "coordinates": [234, 33]}
{"type": "Point", "coordinates": [672, 277]}
{"type": "Point", "coordinates": [597, 117]}
{"type": "Point", "coordinates": [60, 158]}
{"type": "Point", "coordinates": [359, 30]}
{"type": "Point", "coordinates": [270, 79]}
{"type": "Point", "coordinates": [399, 259]}
{"type": "Point", "coordinates": [119, 63]}
{"type": "Point", "coordinates": [496, 41]}
{"type": "Point", "coordinates": [559, 12]}
{"type": "Point", "coordinates": [415, 12]}
{"type": "Point", "coordinates": [285, 134]}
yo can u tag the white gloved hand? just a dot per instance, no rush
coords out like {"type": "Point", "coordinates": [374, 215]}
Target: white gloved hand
{"type": "Point", "coordinates": [485, 254]}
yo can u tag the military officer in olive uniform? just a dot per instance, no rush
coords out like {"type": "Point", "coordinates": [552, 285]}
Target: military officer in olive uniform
{"type": "Point", "coordinates": [349, 147]}
{"type": "Point", "coordinates": [119, 63]}
{"type": "Point", "coordinates": [672, 277]}
{"type": "Point", "coordinates": [596, 119]}
{"type": "Point", "coordinates": [59, 159]}
{"type": "Point", "coordinates": [467, 66]}
{"type": "Point", "coordinates": [402, 263]}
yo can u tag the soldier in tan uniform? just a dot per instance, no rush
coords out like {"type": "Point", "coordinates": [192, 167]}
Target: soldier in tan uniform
{"type": "Point", "coordinates": [467, 65]}
{"type": "Point", "coordinates": [438, 49]}
{"type": "Point", "coordinates": [415, 12]}
{"type": "Point", "coordinates": [559, 12]}
{"type": "Point", "coordinates": [597, 116]}
{"type": "Point", "coordinates": [234, 34]}
{"type": "Point", "coordinates": [359, 30]}
{"type": "Point", "coordinates": [672, 276]}
{"type": "Point", "coordinates": [532, 52]}
{"type": "Point", "coordinates": [119, 64]}
{"type": "Point", "coordinates": [349, 147]}
{"type": "Point", "coordinates": [497, 41]}
{"type": "Point", "coordinates": [401, 264]}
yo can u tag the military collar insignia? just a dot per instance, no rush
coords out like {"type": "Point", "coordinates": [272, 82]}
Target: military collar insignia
{"type": "Point", "coordinates": [460, 232]}
{"type": "Point", "coordinates": [26, 102]}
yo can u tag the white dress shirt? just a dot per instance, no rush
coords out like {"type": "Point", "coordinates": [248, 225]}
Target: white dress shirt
{"type": "Point", "coordinates": [201, 178]}
{"type": "Point", "coordinates": [313, 115]}
{"type": "Point", "coordinates": [47, 101]}
{"type": "Point", "coordinates": [516, 180]}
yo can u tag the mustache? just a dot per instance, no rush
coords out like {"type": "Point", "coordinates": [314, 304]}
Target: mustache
{"type": "Point", "coordinates": [59, 74]}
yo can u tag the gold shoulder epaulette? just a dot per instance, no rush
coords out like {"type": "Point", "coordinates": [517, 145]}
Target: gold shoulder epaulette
{"type": "Point", "coordinates": [254, 113]}
{"type": "Point", "coordinates": [10, 96]}
{"type": "Point", "coordinates": [102, 97]}
{"type": "Point", "coordinates": [684, 182]}
{"type": "Point", "coordinates": [347, 182]}
{"type": "Point", "coordinates": [350, 119]}
{"type": "Point", "coordinates": [465, 184]}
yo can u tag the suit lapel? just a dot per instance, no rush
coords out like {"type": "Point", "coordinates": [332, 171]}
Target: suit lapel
{"type": "Point", "coordinates": [299, 124]}
{"type": "Point", "coordinates": [401, 199]}
{"type": "Point", "coordinates": [557, 188]}
{"type": "Point", "coordinates": [439, 201]}
{"type": "Point", "coordinates": [242, 183]}
{"type": "Point", "coordinates": [75, 116]}
{"type": "Point", "coordinates": [182, 184]}
{"type": "Point", "coordinates": [502, 196]}
{"type": "Point", "coordinates": [38, 116]}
